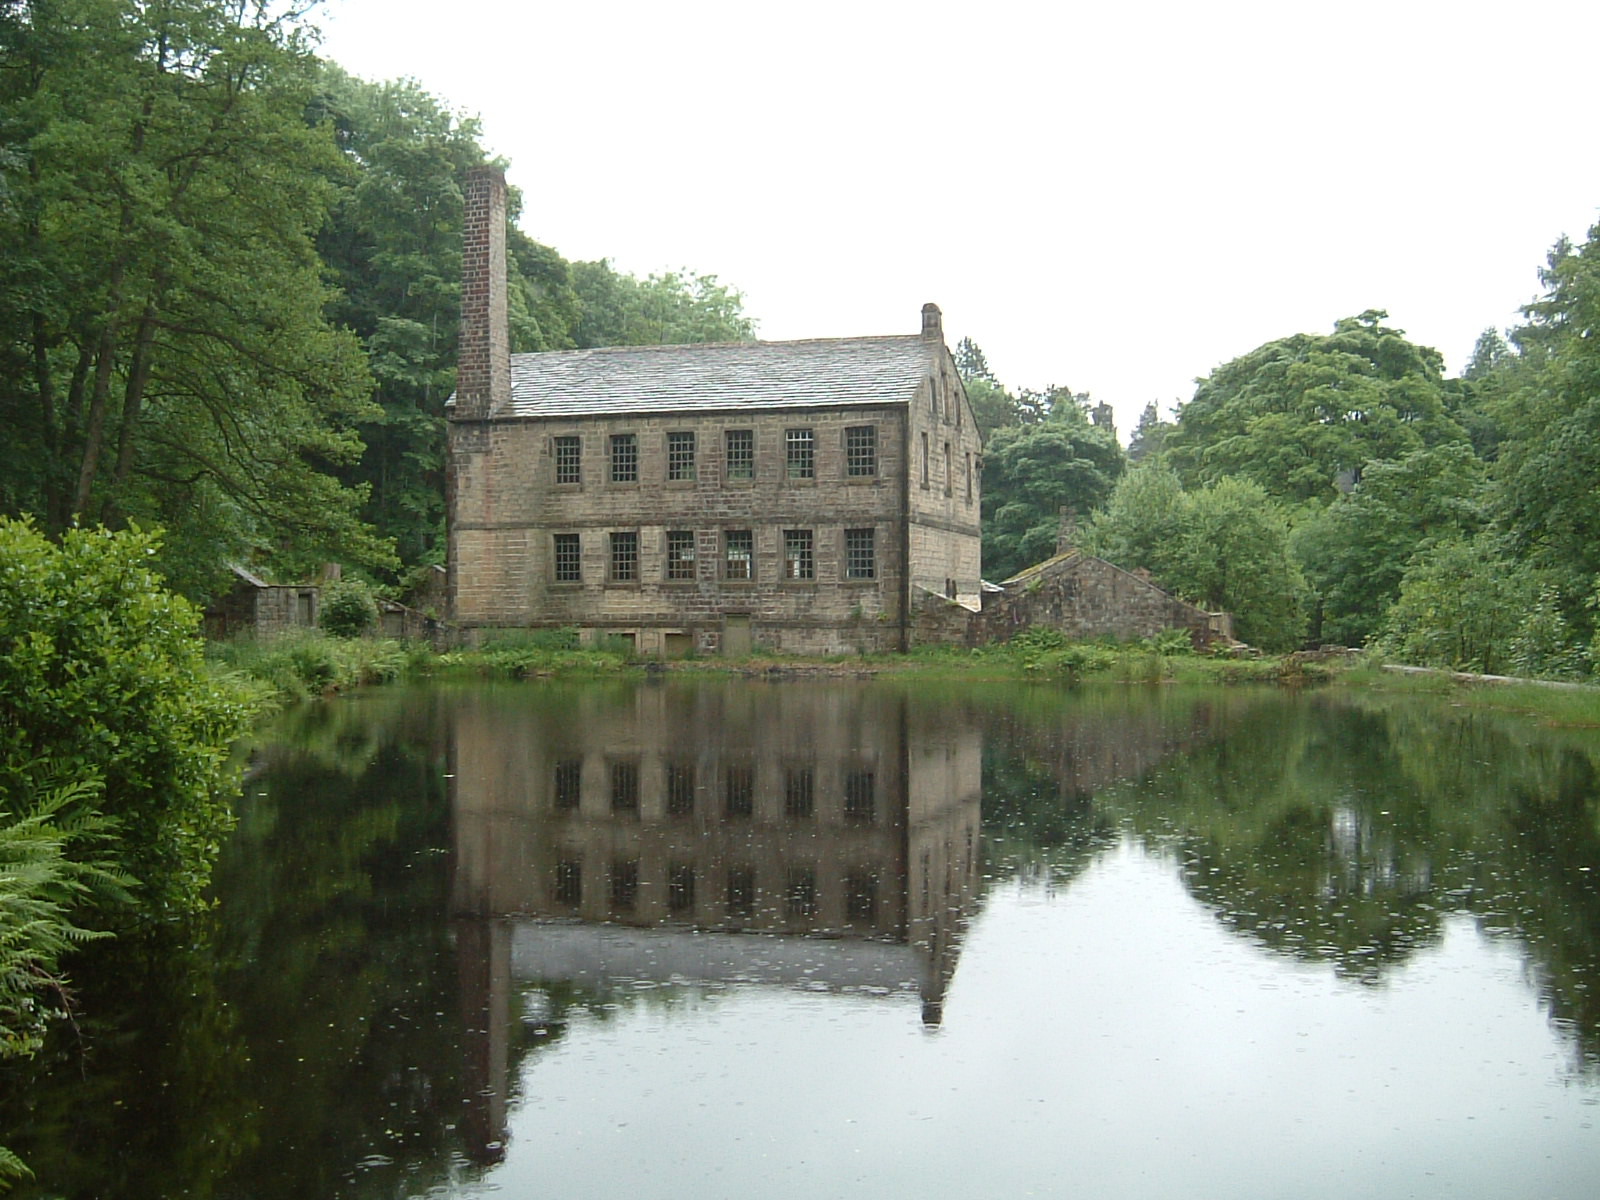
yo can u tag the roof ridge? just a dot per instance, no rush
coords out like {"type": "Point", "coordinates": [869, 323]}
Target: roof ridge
{"type": "Point", "coordinates": [654, 346]}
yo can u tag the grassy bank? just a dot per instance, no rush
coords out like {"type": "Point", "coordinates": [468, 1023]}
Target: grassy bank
{"type": "Point", "coordinates": [309, 664]}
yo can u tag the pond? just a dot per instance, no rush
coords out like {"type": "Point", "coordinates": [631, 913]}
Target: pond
{"type": "Point", "coordinates": [685, 938]}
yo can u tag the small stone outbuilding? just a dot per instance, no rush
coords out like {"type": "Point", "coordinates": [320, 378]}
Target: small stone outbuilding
{"type": "Point", "coordinates": [255, 607]}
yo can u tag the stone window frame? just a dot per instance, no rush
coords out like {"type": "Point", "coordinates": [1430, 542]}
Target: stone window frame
{"type": "Point", "coordinates": [682, 449]}
{"type": "Point", "coordinates": [861, 451]}
{"type": "Point", "coordinates": [924, 460]}
{"type": "Point", "coordinates": [800, 453]}
{"type": "Point", "coordinates": [949, 472]}
{"type": "Point", "coordinates": [566, 557]}
{"type": "Point", "coordinates": [566, 450]}
{"type": "Point", "coordinates": [748, 538]}
{"type": "Point", "coordinates": [738, 455]}
{"type": "Point", "coordinates": [861, 554]}
{"type": "Point", "coordinates": [799, 555]}
{"type": "Point", "coordinates": [679, 566]}
{"type": "Point", "coordinates": [622, 556]}
{"type": "Point", "coordinates": [623, 458]}
{"type": "Point", "coordinates": [969, 476]}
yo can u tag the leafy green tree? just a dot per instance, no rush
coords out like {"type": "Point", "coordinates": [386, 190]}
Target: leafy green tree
{"type": "Point", "coordinates": [676, 307]}
{"type": "Point", "coordinates": [102, 680]}
{"type": "Point", "coordinates": [1461, 606]}
{"type": "Point", "coordinates": [1032, 472]}
{"type": "Point", "coordinates": [165, 357]}
{"type": "Point", "coordinates": [349, 609]}
{"type": "Point", "coordinates": [1302, 414]}
{"type": "Point", "coordinates": [1547, 401]}
{"type": "Point", "coordinates": [1356, 550]}
{"type": "Point", "coordinates": [1149, 438]}
{"type": "Point", "coordinates": [1224, 547]}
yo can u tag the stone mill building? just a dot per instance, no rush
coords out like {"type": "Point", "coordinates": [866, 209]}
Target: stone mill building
{"type": "Point", "coordinates": [804, 496]}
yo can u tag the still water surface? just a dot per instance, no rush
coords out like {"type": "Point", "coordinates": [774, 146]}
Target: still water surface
{"type": "Point", "coordinates": [857, 939]}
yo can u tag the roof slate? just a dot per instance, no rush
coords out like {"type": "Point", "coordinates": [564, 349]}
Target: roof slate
{"type": "Point", "coordinates": [720, 376]}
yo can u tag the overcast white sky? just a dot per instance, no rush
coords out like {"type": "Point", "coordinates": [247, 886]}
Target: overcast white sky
{"type": "Point", "coordinates": [1113, 197]}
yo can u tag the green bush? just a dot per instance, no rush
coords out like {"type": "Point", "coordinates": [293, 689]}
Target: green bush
{"type": "Point", "coordinates": [103, 677]}
{"type": "Point", "coordinates": [349, 609]}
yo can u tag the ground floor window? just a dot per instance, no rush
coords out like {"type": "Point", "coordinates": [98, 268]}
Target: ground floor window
{"type": "Point", "coordinates": [799, 554]}
{"type": "Point", "coordinates": [680, 554]}
{"type": "Point", "coordinates": [569, 558]}
{"type": "Point", "coordinates": [625, 557]}
{"type": "Point", "coordinates": [860, 554]}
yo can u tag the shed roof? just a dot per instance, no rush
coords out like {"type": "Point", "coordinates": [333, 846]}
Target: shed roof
{"type": "Point", "coordinates": [719, 376]}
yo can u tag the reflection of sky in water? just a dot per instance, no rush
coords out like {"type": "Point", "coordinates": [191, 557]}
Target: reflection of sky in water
{"type": "Point", "coordinates": [1105, 1039]}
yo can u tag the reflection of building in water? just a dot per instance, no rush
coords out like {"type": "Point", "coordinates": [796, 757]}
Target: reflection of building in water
{"type": "Point", "coordinates": [648, 832]}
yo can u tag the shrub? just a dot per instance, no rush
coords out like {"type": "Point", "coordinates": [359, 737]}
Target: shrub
{"type": "Point", "coordinates": [349, 609]}
{"type": "Point", "coordinates": [102, 675]}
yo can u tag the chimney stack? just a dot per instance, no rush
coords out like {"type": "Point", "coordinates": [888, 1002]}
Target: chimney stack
{"type": "Point", "coordinates": [483, 367]}
{"type": "Point", "coordinates": [932, 322]}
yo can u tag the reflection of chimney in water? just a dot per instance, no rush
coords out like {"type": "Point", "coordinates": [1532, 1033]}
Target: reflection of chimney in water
{"type": "Point", "coordinates": [483, 967]}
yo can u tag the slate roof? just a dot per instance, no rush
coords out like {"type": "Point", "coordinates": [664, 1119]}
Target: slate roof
{"type": "Point", "coordinates": [719, 376]}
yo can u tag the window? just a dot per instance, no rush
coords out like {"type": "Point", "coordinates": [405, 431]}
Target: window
{"type": "Point", "coordinates": [680, 456]}
{"type": "Point", "coordinates": [569, 558]}
{"type": "Point", "coordinates": [624, 883]}
{"type": "Point", "coordinates": [680, 789]}
{"type": "Point", "coordinates": [741, 891]}
{"type": "Point", "coordinates": [680, 887]}
{"type": "Point", "coordinates": [969, 476]}
{"type": "Point", "coordinates": [860, 795]}
{"type": "Point", "coordinates": [624, 458]}
{"type": "Point", "coordinates": [738, 555]}
{"type": "Point", "coordinates": [739, 791]}
{"type": "Point", "coordinates": [680, 554]}
{"type": "Point", "coordinates": [801, 894]}
{"type": "Point", "coordinates": [567, 886]}
{"type": "Point", "coordinates": [798, 560]}
{"type": "Point", "coordinates": [569, 782]}
{"type": "Point", "coordinates": [924, 460]}
{"type": "Point", "coordinates": [800, 452]}
{"type": "Point", "coordinates": [799, 792]}
{"type": "Point", "coordinates": [739, 449]}
{"type": "Point", "coordinates": [861, 450]}
{"type": "Point", "coordinates": [860, 554]}
{"type": "Point", "coordinates": [625, 557]}
{"type": "Point", "coordinates": [861, 896]}
{"type": "Point", "coordinates": [947, 479]}
{"type": "Point", "coordinates": [625, 785]}
{"type": "Point", "coordinates": [569, 459]}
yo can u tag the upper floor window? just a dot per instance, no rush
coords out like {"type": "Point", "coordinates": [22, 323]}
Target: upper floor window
{"type": "Point", "coordinates": [948, 479]}
{"type": "Point", "coordinates": [680, 554]}
{"type": "Point", "coordinates": [569, 459]}
{"type": "Point", "coordinates": [861, 450]}
{"type": "Point", "coordinates": [800, 453]}
{"type": "Point", "coordinates": [924, 460]}
{"type": "Point", "coordinates": [569, 558]}
{"type": "Point", "coordinates": [738, 555]}
{"type": "Point", "coordinates": [625, 557]}
{"type": "Point", "coordinates": [860, 554]}
{"type": "Point", "coordinates": [799, 557]}
{"type": "Point", "coordinates": [624, 458]}
{"type": "Point", "coordinates": [739, 449]}
{"type": "Point", "coordinates": [680, 456]}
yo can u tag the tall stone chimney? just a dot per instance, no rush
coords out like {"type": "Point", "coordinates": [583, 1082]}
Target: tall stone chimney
{"type": "Point", "coordinates": [483, 367]}
{"type": "Point", "coordinates": [932, 322]}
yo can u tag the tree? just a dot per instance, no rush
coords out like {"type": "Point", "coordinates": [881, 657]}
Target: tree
{"type": "Point", "coordinates": [166, 357]}
{"type": "Point", "coordinates": [676, 307]}
{"type": "Point", "coordinates": [1224, 547]}
{"type": "Point", "coordinates": [1149, 437]}
{"type": "Point", "coordinates": [1303, 414]}
{"type": "Point", "coordinates": [103, 684]}
{"type": "Point", "coordinates": [1461, 606]}
{"type": "Point", "coordinates": [1546, 401]}
{"type": "Point", "coordinates": [1032, 472]}
{"type": "Point", "coordinates": [1356, 551]}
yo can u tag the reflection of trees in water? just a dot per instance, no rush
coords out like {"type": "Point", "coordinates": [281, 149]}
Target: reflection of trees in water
{"type": "Point", "coordinates": [1344, 829]}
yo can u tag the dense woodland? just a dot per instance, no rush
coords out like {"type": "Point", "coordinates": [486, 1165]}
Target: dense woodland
{"type": "Point", "coordinates": [228, 306]}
